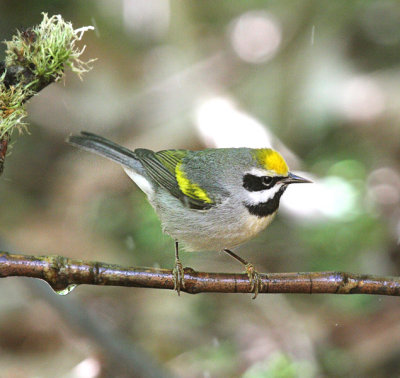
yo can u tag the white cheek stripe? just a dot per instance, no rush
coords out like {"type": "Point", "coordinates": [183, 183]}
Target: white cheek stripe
{"type": "Point", "coordinates": [255, 198]}
{"type": "Point", "coordinates": [140, 181]}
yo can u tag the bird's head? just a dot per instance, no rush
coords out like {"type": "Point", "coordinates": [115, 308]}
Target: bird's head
{"type": "Point", "coordinates": [266, 181]}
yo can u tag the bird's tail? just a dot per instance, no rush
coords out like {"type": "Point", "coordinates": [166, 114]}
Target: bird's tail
{"type": "Point", "coordinates": [104, 147]}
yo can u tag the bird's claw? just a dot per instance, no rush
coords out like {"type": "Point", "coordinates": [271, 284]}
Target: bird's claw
{"type": "Point", "coordinates": [179, 281]}
{"type": "Point", "coordinates": [255, 280]}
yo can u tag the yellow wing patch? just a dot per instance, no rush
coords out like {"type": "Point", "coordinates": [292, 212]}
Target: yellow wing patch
{"type": "Point", "coordinates": [189, 188]}
{"type": "Point", "coordinates": [272, 161]}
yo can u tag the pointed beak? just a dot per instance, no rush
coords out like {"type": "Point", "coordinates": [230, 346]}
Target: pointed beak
{"type": "Point", "coordinates": [293, 179]}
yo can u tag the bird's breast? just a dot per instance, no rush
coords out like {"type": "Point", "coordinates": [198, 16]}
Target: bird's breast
{"type": "Point", "coordinates": [224, 226]}
{"type": "Point", "coordinates": [252, 224]}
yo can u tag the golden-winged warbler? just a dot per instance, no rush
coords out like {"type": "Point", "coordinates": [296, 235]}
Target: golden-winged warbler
{"type": "Point", "coordinates": [213, 199]}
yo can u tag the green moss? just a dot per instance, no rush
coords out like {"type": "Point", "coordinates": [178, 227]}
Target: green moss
{"type": "Point", "coordinates": [46, 48]}
{"type": "Point", "coordinates": [43, 51]}
{"type": "Point", "coordinates": [12, 110]}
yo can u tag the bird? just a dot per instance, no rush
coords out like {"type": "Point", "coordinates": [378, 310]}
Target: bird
{"type": "Point", "coordinates": [207, 200]}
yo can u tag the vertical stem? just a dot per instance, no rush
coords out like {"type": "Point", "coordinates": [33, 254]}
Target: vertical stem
{"type": "Point", "coordinates": [3, 150]}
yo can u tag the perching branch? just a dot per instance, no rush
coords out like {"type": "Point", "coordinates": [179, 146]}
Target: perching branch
{"type": "Point", "coordinates": [63, 273]}
{"type": "Point", "coordinates": [34, 59]}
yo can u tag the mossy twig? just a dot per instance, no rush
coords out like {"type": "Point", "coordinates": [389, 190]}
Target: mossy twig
{"type": "Point", "coordinates": [35, 58]}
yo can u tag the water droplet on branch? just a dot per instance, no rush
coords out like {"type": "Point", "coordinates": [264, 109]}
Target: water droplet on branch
{"type": "Point", "coordinates": [66, 290]}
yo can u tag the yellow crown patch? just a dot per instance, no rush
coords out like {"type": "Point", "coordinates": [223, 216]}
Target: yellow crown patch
{"type": "Point", "coordinates": [272, 161]}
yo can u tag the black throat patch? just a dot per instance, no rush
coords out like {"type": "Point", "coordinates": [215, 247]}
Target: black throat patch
{"type": "Point", "coordinates": [264, 209]}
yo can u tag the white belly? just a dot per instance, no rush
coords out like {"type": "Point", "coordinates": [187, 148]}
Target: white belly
{"type": "Point", "coordinates": [219, 234]}
{"type": "Point", "coordinates": [224, 226]}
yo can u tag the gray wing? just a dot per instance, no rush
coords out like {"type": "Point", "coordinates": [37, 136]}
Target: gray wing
{"type": "Point", "coordinates": [161, 168]}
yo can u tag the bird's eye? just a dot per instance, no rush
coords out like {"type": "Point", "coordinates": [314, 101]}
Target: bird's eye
{"type": "Point", "coordinates": [254, 183]}
{"type": "Point", "coordinates": [267, 181]}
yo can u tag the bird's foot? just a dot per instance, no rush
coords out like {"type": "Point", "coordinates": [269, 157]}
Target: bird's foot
{"type": "Point", "coordinates": [256, 284]}
{"type": "Point", "coordinates": [179, 280]}
{"type": "Point", "coordinates": [255, 280]}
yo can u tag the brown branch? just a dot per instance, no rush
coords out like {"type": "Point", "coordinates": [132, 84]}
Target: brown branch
{"type": "Point", "coordinates": [61, 272]}
{"type": "Point", "coordinates": [3, 150]}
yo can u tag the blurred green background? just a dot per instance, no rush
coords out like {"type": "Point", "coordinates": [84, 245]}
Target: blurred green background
{"type": "Point", "coordinates": [318, 80]}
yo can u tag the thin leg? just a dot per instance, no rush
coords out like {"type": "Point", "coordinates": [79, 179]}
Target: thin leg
{"type": "Point", "coordinates": [178, 271]}
{"type": "Point", "coordinates": [176, 250]}
{"type": "Point", "coordinates": [236, 257]}
{"type": "Point", "coordinates": [254, 277]}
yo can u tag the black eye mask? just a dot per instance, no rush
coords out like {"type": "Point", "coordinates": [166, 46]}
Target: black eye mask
{"type": "Point", "coordinates": [254, 183]}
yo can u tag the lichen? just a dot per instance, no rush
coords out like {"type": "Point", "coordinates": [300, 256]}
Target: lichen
{"type": "Point", "coordinates": [12, 110]}
{"type": "Point", "coordinates": [44, 51]}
